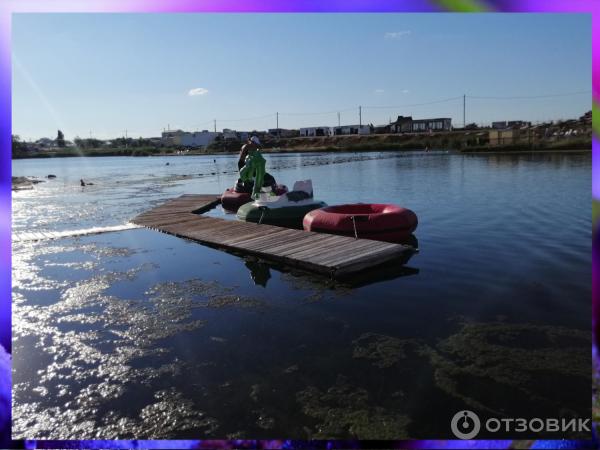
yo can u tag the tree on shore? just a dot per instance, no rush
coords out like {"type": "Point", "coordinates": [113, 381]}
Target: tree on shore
{"type": "Point", "coordinates": [17, 144]}
{"type": "Point", "coordinates": [87, 143]}
{"type": "Point", "coordinates": [60, 139]}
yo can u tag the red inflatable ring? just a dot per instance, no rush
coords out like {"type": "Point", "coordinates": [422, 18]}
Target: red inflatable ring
{"type": "Point", "coordinates": [380, 222]}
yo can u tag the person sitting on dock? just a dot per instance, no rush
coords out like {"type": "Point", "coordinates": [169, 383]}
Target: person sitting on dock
{"type": "Point", "coordinates": [253, 166]}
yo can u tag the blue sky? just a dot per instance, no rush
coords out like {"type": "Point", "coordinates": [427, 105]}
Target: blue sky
{"type": "Point", "coordinates": [105, 73]}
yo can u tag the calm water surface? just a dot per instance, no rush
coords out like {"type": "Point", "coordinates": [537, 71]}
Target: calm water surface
{"type": "Point", "coordinates": [141, 334]}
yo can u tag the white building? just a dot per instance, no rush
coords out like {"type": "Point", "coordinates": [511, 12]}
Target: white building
{"type": "Point", "coordinates": [282, 132]}
{"type": "Point", "coordinates": [315, 131]}
{"type": "Point", "coordinates": [198, 138]}
{"type": "Point", "coordinates": [352, 129]}
{"type": "Point", "coordinates": [229, 134]}
{"type": "Point", "coordinates": [188, 139]}
{"type": "Point", "coordinates": [171, 137]}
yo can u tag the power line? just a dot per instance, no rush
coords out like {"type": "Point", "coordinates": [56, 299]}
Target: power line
{"type": "Point", "coordinates": [247, 118]}
{"type": "Point", "coordinates": [320, 113]}
{"type": "Point", "coordinates": [567, 94]}
{"type": "Point", "coordinates": [414, 104]}
{"type": "Point", "coordinates": [407, 105]}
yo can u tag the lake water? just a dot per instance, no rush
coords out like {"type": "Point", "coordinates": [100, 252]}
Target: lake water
{"type": "Point", "coordinates": [141, 334]}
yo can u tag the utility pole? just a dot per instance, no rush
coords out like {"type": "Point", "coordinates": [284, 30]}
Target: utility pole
{"type": "Point", "coordinates": [464, 110]}
{"type": "Point", "coordinates": [339, 120]}
{"type": "Point", "coordinates": [277, 114]}
{"type": "Point", "coordinates": [360, 116]}
{"type": "Point", "coordinates": [215, 122]}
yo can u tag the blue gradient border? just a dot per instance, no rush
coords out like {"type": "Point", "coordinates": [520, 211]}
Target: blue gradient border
{"type": "Point", "coordinates": [9, 7]}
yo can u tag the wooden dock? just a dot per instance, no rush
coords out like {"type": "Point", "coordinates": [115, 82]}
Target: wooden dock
{"type": "Point", "coordinates": [337, 256]}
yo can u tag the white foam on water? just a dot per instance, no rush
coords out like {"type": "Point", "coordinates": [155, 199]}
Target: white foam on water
{"type": "Point", "coordinates": [46, 235]}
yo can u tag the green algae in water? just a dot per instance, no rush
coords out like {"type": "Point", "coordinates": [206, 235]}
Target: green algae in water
{"type": "Point", "coordinates": [383, 351]}
{"type": "Point", "coordinates": [236, 301]}
{"type": "Point", "coordinates": [199, 293]}
{"type": "Point", "coordinates": [485, 363]}
{"type": "Point", "coordinates": [344, 410]}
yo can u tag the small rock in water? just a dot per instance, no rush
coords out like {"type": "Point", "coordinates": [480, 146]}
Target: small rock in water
{"type": "Point", "coordinates": [21, 183]}
{"type": "Point", "coordinates": [51, 176]}
{"type": "Point", "coordinates": [255, 389]}
{"type": "Point", "coordinates": [265, 422]}
{"type": "Point", "coordinates": [291, 369]}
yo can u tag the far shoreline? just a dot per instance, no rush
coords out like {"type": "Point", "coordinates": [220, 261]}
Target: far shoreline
{"type": "Point", "coordinates": [358, 149]}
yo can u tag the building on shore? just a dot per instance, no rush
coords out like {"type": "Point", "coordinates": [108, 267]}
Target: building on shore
{"type": "Point", "coordinates": [351, 129]}
{"type": "Point", "coordinates": [382, 129]}
{"type": "Point", "coordinates": [511, 136]}
{"type": "Point", "coordinates": [402, 125]}
{"type": "Point", "coordinates": [315, 131]}
{"type": "Point", "coordinates": [282, 132]}
{"type": "Point", "coordinates": [234, 135]}
{"type": "Point", "coordinates": [505, 124]}
{"type": "Point", "coordinates": [409, 125]}
{"type": "Point", "coordinates": [171, 137]}
{"type": "Point", "coordinates": [199, 138]}
{"type": "Point", "coordinates": [188, 139]}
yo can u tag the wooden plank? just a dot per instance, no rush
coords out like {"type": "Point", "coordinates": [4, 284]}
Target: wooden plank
{"type": "Point", "coordinates": [216, 229]}
{"type": "Point", "coordinates": [256, 243]}
{"type": "Point", "coordinates": [327, 244]}
{"type": "Point", "coordinates": [230, 231]}
{"type": "Point", "coordinates": [172, 220]}
{"type": "Point", "coordinates": [349, 252]}
{"type": "Point", "coordinates": [300, 242]}
{"type": "Point", "coordinates": [402, 255]}
{"type": "Point", "coordinates": [349, 255]}
{"type": "Point", "coordinates": [278, 237]}
{"type": "Point", "coordinates": [336, 254]}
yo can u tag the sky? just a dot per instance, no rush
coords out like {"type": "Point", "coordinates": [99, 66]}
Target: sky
{"type": "Point", "coordinates": [104, 75]}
